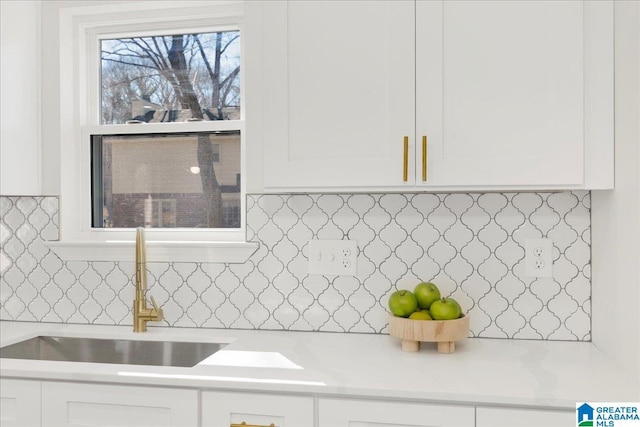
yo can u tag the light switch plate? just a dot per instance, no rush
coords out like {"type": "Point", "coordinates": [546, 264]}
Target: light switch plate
{"type": "Point", "coordinates": [333, 257]}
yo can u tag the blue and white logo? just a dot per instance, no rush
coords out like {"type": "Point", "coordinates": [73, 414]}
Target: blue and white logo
{"type": "Point", "coordinates": [585, 415]}
{"type": "Point", "coordinates": [608, 414]}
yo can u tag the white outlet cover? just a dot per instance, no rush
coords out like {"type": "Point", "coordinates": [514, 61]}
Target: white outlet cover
{"type": "Point", "coordinates": [542, 265]}
{"type": "Point", "coordinates": [327, 257]}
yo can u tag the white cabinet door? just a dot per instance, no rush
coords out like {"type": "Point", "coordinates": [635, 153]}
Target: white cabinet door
{"type": "Point", "coordinates": [19, 403]}
{"type": "Point", "coordinates": [504, 90]}
{"type": "Point", "coordinates": [359, 413]}
{"type": "Point", "coordinates": [20, 88]}
{"type": "Point", "coordinates": [338, 83]}
{"type": "Point", "coordinates": [222, 409]}
{"type": "Point", "coordinates": [507, 417]}
{"type": "Point", "coordinates": [69, 404]}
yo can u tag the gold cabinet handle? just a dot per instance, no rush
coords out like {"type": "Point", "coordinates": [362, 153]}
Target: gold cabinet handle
{"type": "Point", "coordinates": [244, 424]}
{"type": "Point", "coordinates": [405, 160]}
{"type": "Point", "coordinates": [424, 158]}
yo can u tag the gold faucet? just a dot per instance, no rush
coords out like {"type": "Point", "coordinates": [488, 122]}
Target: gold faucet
{"type": "Point", "coordinates": [141, 313]}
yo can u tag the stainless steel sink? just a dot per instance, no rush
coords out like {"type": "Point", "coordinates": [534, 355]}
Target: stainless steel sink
{"type": "Point", "coordinates": [131, 352]}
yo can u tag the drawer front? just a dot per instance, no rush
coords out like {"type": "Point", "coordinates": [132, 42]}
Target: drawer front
{"type": "Point", "coordinates": [360, 413]}
{"type": "Point", "coordinates": [224, 409]}
{"type": "Point", "coordinates": [516, 417]}
{"type": "Point", "coordinates": [67, 404]}
{"type": "Point", "coordinates": [19, 403]}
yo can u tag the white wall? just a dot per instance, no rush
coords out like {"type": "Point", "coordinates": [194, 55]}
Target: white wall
{"type": "Point", "coordinates": [616, 214]}
{"type": "Point", "coordinates": [50, 98]}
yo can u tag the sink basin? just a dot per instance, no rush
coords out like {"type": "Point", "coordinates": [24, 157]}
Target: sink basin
{"type": "Point", "coordinates": [93, 350]}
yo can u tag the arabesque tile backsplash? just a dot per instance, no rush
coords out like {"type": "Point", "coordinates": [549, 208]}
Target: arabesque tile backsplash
{"type": "Point", "coordinates": [471, 245]}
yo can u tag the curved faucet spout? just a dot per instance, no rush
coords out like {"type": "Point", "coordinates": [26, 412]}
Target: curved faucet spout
{"type": "Point", "coordinates": [141, 261]}
{"type": "Point", "coordinates": [141, 313]}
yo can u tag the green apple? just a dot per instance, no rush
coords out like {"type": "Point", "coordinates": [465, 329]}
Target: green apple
{"type": "Point", "coordinates": [402, 303]}
{"type": "Point", "coordinates": [426, 293]}
{"type": "Point", "coordinates": [420, 315]}
{"type": "Point", "coordinates": [445, 309]}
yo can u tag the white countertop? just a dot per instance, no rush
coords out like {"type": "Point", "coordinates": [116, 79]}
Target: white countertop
{"type": "Point", "coordinates": [481, 371]}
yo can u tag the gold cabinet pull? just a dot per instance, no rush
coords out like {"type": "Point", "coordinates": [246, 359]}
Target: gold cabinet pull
{"type": "Point", "coordinates": [244, 424]}
{"type": "Point", "coordinates": [405, 160]}
{"type": "Point", "coordinates": [424, 158]}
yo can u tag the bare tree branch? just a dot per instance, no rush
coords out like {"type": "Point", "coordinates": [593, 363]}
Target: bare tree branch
{"type": "Point", "coordinates": [130, 63]}
{"type": "Point", "coordinates": [228, 44]}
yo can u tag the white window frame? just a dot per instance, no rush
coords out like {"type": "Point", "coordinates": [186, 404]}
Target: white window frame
{"type": "Point", "coordinates": [80, 31]}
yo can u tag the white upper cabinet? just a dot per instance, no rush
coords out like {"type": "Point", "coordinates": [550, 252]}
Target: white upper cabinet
{"type": "Point", "coordinates": [499, 94]}
{"type": "Point", "coordinates": [337, 86]}
{"type": "Point", "coordinates": [20, 88]}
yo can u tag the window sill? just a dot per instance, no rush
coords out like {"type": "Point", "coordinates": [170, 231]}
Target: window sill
{"type": "Point", "coordinates": [159, 251]}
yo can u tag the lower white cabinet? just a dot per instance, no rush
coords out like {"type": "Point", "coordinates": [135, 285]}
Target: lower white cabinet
{"type": "Point", "coordinates": [30, 403]}
{"type": "Point", "coordinates": [361, 413]}
{"type": "Point", "coordinates": [19, 403]}
{"type": "Point", "coordinates": [516, 417]}
{"type": "Point", "coordinates": [95, 405]}
{"type": "Point", "coordinates": [224, 409]}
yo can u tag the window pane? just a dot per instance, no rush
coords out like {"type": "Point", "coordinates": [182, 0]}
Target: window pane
{"type": "Point", "coordinates": [172, 78]}
{"type": "Point", "coordinates": [166, 180]}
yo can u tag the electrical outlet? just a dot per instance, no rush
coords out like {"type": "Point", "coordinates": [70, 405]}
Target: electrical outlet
{"type": "Point", "coordinates": [332, 257]}
{"type": "Point", "coordinates": [538, 260]}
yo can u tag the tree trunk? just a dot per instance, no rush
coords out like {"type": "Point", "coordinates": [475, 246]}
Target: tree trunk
{"type": "Point", "coordinates": [188, 99]}
{"type": "Point", "coordinates": [216, 77]}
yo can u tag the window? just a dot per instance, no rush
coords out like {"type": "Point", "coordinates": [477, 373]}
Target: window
{"type": "Point", "coordinates": [166, 78]}
{"type": "Point", "coordinates": [170, 78]}
{"type": "Point", "coordinates": [131, 172]}
{"type": "Point", "coordinates": [152, 130]}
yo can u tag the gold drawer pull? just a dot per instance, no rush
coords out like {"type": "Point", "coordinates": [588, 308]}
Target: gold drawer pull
{"type": "Point", "coordinates": [244, 424]}
{"type": "Point", "coordinates": [405, 160]}
{"type": "Point", "coordinates": [424, 157]}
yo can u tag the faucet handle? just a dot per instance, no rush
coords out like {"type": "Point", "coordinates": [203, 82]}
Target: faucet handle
{"type": "Point", "coordinates": [156, 313]}
{"type": "Point", "coordinates": [153, 302]}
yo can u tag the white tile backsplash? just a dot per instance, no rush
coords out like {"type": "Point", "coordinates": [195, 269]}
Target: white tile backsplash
{"type": "Point", "coordinates": [471, 245]}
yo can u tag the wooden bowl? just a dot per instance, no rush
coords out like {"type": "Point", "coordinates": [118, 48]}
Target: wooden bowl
{"type": "Point", "coordinates": [444, 332]}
